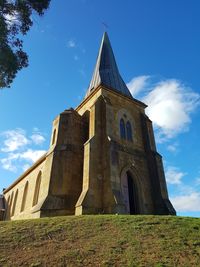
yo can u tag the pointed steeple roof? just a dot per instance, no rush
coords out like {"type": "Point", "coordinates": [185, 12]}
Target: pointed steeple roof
{"type": "Point", "coordinates": [106, 71]}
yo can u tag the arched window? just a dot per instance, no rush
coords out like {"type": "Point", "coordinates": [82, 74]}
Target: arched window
{"type": "Point", "coordinates": [122, 129]}
{"type": "Point", "coordinates": [37, 189]}
{"type": "Point", "coordinates": [14, 203]}
{"type": "Point", "coordinates": [54, 137]}
{"type": "Point", "coordinates": [129, 131]}
{"type": "Point", "coordinates": [24, 197]}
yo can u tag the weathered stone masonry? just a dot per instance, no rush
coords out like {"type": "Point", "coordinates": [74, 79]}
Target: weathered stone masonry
{"type": "Point", "coordinates": [102, 157]}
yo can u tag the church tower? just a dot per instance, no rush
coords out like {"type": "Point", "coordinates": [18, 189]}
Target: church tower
{"type": "Point", "coordinates": [102, 157]}
{"type": "Point", "coordinates": [122, 171]}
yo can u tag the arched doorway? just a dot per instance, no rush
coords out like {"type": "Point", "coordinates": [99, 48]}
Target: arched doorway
{"type": "Point", "coordinates": [129, 193]}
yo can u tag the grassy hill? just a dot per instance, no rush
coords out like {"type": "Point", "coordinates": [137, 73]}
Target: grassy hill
{"type": "Point", "coordinates": [101, 240]}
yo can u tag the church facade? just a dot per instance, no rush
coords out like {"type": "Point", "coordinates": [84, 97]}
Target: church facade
{"type": "Point", "coordinates": [102, 157]}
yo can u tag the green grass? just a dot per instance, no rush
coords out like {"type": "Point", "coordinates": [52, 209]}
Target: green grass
{"type": "Point", "coordinates": [101, 240]}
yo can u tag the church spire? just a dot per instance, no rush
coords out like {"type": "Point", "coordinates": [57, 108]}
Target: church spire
{"type": "Point", "coordinates": [106, 71]}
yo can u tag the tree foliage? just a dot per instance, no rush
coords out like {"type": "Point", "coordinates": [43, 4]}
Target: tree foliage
{"type": "Point", "coordinates": [15, 21]}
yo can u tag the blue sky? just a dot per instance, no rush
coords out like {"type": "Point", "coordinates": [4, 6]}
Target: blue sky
{"type": "Point", "coordinates": [157, 48]}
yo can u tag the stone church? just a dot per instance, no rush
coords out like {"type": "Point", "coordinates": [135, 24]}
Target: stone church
{"type": "Point", "coordinates": [102, 157]}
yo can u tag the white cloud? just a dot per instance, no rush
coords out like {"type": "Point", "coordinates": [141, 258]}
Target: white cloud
{"type": "Point", "coordinates": [173, 175]}
{"type": "Point", "coordinates": [185, 197]}
{"type": "Point", "coordinates": [37, 138]}
{"type": "Point", "coordinates": [137, 84]}
{"type": "Point", "coordinates": [25, 167]}
{"type": "Point", "coordinates": [198, 181]}
{"type": "Point", "coordinates": [7, 163]}
{"type": "Point", "coordinates": [32, 155]}
{"type": "Point", "coordinates": [14, 139]}
{"type": "Point", "coordinates": [19, 150]}
{"type": "Point", "coordinates": [188, 203]}
{"type": "Point", "coordinates": [173, 147]}
{"type": "Point", "coordinates": [71, 43]}
{"type": "Point", "coordinates": [170, 104]}
{"type": "Point", "coordinates": [13, 161]}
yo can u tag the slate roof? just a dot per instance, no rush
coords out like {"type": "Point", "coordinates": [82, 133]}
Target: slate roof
{"type": "Point", "coordinates": [106, 71]}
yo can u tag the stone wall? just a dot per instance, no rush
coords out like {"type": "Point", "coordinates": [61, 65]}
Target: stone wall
{"type": "Point", "coordinates": [67, 166]}
{"type": "Point", "coordinates": [107, 156]}
{"type": "Point", "coordinates": [127, 155]}
{"type": "Point", "coordinates": [20, 204]}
